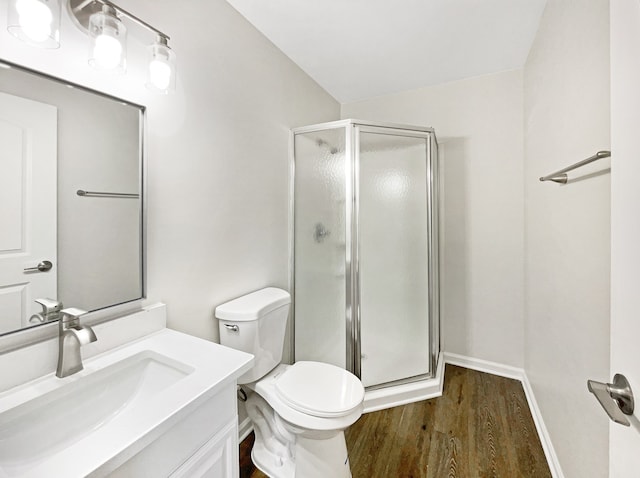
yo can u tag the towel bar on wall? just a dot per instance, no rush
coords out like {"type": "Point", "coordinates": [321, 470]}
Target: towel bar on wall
{"type": "Point", "coordinates": [561, 176]}
{"type": "Point", "coordinates": [97, 194]}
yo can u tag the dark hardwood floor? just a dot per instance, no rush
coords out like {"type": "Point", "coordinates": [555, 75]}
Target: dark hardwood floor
{"type": "Point", "coordinates": [480, 427]}
{"type": "Point", "coordinates": [247, 469]}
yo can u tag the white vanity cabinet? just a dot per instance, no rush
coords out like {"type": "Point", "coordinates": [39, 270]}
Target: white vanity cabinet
{"type": "Point", "coordinates": [216, 458]}
{"type": "Point", "coordinates": [163, 405]}
{"type": "Point", "coordinates": [202, 444]}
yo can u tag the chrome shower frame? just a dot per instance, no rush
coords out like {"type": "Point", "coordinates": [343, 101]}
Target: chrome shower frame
{"type": "Point", "coordinates": [353, 128]}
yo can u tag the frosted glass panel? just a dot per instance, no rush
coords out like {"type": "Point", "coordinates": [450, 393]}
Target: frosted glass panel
{"type": "Point", "coordinates": [319, 218]}
{"type": "Point", "coordinates": [393, 247]}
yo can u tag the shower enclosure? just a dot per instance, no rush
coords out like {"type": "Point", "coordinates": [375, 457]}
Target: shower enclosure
{"type": "Point", "coordinates": [364, 242]}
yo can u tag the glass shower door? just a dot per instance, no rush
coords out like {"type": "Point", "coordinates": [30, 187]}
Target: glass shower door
{"type": "Point", "coordinates": [392, 254]}
{"type": "Point", "coordinates": [321, 187]}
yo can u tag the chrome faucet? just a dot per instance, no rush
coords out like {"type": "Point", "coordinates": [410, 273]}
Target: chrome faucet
{"type": "Point", "coordinates": [50, 311]}
{"type": "Point", "coordinates": [72, 336]}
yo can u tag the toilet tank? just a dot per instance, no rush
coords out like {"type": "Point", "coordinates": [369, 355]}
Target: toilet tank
{"type": "Point", "coordinates": [256, 323]}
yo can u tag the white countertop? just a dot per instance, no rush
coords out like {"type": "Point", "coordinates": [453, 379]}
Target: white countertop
{"type": "Point", "coordinates": [115, 441]}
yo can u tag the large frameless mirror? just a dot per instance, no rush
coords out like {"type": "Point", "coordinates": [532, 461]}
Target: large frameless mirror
{"type": "Point", "coordinates": [71, 230]}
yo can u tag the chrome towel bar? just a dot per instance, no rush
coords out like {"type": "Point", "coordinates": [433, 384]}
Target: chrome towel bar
{"type": "Point", "coordinates": [97, 194]}
{"type": "Point", "coordinates": [561, 176]}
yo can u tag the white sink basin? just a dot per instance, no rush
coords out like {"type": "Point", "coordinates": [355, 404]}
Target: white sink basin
{"type": "Point", "coordinates": [90, 423]}
{"type": "Point", "coordinates": [31, 432]}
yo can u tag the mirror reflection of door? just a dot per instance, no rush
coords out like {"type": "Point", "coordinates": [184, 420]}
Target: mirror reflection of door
{"type": "Point", "coordinates": [28, 157]}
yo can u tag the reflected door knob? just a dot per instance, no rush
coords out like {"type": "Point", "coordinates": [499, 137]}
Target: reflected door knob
{"type": "Point", "coordinates": [43, 266]}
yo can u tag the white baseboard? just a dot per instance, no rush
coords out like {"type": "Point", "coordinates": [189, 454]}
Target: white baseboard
{"type": "Point", "coordinates": [545, 439]}
{"type": "Point", "coordinates": [484, 366]}
{"type": "Point", "coordinates": [517, 374]}
{"type": "Point", "coordinates": [244, 429]}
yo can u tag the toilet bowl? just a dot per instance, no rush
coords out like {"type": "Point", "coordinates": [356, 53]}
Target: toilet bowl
{"type": "Point", "coordinates": [299, 412]}
{"type": "Point", "coordinates": [305, 407]}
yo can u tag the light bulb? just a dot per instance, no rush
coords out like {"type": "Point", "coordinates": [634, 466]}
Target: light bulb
{"type": "Point", "coordinates": [108, 49]}
{"type": "Point", "coordinates": [35, 19]}
{"type": "Point", "coordinates": [159, 74]}
{"type": "Point", "coordinates": [162, 67]}
{"type": "Point", "coordinates": [107, 52]}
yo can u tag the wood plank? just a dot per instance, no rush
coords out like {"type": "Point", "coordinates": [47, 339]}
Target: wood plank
{"type": "Point", "coordinates": [247, 468]}
{"type": "Point", "coordinates": [480, 428]}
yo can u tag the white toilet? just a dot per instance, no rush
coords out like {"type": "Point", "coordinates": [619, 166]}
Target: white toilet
{"type": "Point", "coordinates": [299, 412]}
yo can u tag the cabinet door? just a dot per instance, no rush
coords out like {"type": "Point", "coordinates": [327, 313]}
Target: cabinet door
{"type": "Point", "coordinates": [218, 458]}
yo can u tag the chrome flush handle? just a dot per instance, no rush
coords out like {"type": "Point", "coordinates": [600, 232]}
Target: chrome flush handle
{"type": "Point", "coordinates": [231, 327]}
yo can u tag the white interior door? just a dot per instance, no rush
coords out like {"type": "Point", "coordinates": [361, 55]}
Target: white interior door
{"type": "Point", "coordinates": [28, 157]}
{"type": "Point", "coordinates": [624, 446]}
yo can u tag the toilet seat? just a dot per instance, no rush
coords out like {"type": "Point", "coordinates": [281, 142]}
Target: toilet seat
{"type": "Point", "coordinates": [266, 388]}
{"type": "Point", "coordinates": [319, 389]}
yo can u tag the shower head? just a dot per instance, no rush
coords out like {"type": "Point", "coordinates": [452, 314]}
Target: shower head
{"type": "Point", "coordinates": [321, 142]}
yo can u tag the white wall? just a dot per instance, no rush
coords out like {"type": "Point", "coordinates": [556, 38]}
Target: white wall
{"type": "Point", "coordinates": [566, 93]}
{"type": "Point", "coordinates": [217, 150]}
{"type": "Point", "coordinates": [218, 225]}
{"type": "Point", "coordinates": [478, 122]}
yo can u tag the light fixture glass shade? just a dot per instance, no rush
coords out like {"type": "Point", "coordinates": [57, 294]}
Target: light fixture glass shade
{"type": "Point", "coordinates": [161, 70]}
{"type": "Point", "coordinates": [108, 49]}
{"type": "Point", "coordinates": [36, 22]}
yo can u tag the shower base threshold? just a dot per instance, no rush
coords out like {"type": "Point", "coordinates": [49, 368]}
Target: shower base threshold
{"type": "Point", "coordinates": [396, 395]}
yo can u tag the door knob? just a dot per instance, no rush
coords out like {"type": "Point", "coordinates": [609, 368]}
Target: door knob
{"type": "Point", "coordinates": [43, 266]}
{"type": "Point", "coordinates": [616, 398]}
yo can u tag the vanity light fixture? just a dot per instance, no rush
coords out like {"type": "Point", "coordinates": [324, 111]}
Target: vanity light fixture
{"type": "Point", "coordinates": [36, 22]}
{"type": "Point", "coordinates": [103, 20]}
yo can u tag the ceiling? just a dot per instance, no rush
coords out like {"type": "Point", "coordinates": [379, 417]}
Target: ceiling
{"type": "Point", "coordinates": [358, 49]}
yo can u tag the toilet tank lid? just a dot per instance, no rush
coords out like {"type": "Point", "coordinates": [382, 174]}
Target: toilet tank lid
{"type": "Point", "coordinates": [253, 306]}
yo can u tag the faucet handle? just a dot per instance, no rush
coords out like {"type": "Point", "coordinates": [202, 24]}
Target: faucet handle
{"type": "Point", "coordinates": [71, 314]}
{"type": "Point", "coordinates": [49, 306]}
